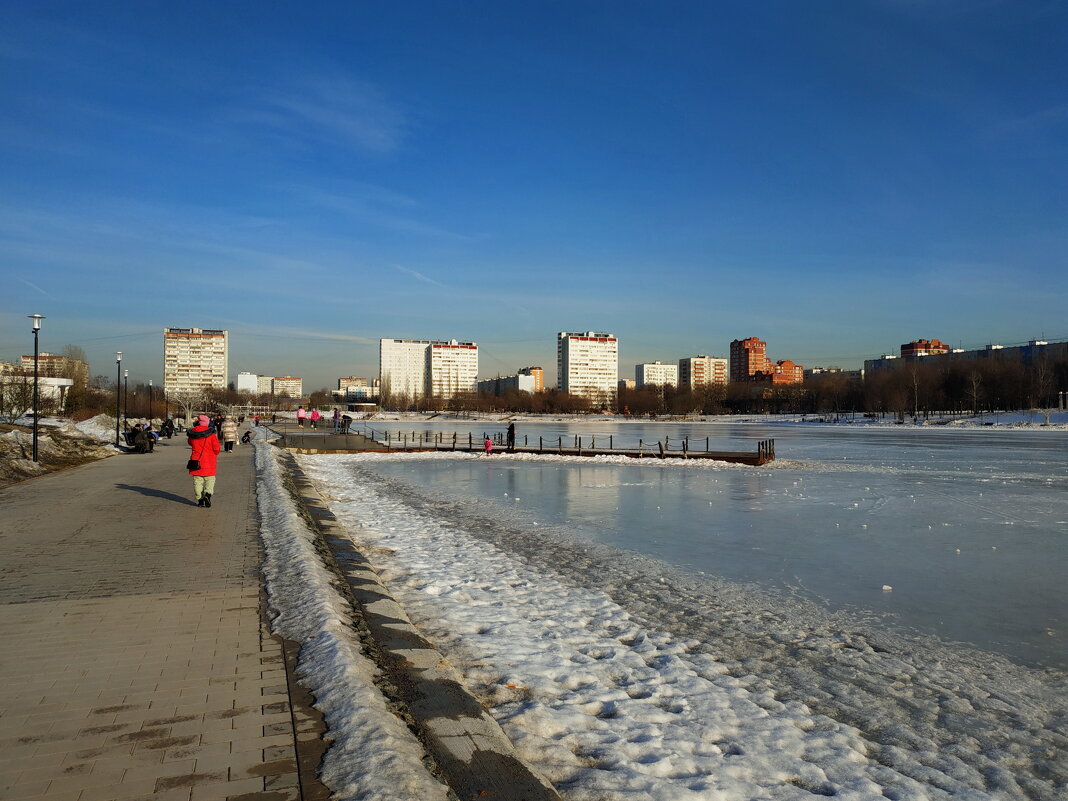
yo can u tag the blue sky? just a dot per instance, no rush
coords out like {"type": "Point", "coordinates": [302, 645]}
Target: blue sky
{"type": "Point", "coordinates": [834, 177]}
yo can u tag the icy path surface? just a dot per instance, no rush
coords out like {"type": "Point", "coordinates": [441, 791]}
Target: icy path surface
{"type": "Point", "coordinates": [617, 678]}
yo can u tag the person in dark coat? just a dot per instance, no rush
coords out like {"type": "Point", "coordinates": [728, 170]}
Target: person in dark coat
{"type": "Point", "coordinates": [205, 449]}
{"type": "Point", "coordinates": [511, 436]}
{"type": "Point", "coordinates": [140, 439]}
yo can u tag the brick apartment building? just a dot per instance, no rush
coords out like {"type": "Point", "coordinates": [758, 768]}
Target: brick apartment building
{"type": "Point", "coordinates": [749, 362]}
{"type": "Point", "coordinates": [924, 347]}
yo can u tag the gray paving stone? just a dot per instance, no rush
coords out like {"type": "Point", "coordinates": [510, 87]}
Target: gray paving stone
{"type": "Point", "coordinates": [136, 658]}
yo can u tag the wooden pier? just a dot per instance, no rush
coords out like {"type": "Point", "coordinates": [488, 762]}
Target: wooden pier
{"type": "Point", "coordinates": [311, 441]}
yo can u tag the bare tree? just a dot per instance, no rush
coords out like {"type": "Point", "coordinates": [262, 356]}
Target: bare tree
{"type": "Point", "coordinates": [1044, 382]}
{"type": "Point", "coordinates": [16, 395]}
{"type": "Point", "coordinates": [188, 400]}
{"type": "Point", "coordinates": [975, 392]}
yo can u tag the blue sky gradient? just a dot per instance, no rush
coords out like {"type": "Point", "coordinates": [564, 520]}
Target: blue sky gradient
{"type": "Point", "coordinates": [834, 177]}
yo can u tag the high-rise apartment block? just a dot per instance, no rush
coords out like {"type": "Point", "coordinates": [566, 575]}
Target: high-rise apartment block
{"type": "Point", "coordinates": [194, 359]}
{"type": "Point", "coordinates": [588, 365]}
{"type": "Point", "coordinates": [700, 371]}
{"type": "Point", "coordinates": [656, 373]}
{"type": "Point", "coordinates": [750, 362]}
{"type": "Point", "coordinates": [748, 357]}
{"type": "Point", "coordinates": [49, 365]}
{"type": "Point", "coordinates": [287, 386]}
{"type": "Point", "coordinates": [453, 368]}
{"type": "Point", "coordinates": [417, 367]}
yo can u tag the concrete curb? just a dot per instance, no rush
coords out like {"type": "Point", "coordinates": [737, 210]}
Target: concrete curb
{"type": "Point", "coordinates": [476, 757]}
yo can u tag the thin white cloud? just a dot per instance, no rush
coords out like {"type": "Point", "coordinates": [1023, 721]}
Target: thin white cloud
{"type": "Point", "coordinates": [376, 206]}
{"type": "Point", "coordinates": [34, 286]}
{"type": "Point", "coordinates": [1034, 124]}
{"type": "Point", "coordinates": [418, 275]}
{"type": "Point", "coordinates": [337, 108]}
{"type": "Point", "coordinates": [253, 330]}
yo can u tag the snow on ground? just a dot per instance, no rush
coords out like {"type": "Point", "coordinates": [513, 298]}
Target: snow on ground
{"type": "Point", "coordinates": [101, 427]}
{"type": "Point", "coordinates": [373, 756]}
{"type": "Point", "coordinates": [618, 681]}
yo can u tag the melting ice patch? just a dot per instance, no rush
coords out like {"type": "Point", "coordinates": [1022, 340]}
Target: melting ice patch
{"type": "Point", "coordinates": [617, 679]}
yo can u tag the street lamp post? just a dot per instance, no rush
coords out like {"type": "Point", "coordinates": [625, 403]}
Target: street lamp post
{"type": "Point", "coordinates": [151, 405]}
{"type": "Point", "coordinates": [36, 373]}
{"type": "Point", "coordinates": [118, 387]}
{"type": "Point", "coordinates": [125, 395]}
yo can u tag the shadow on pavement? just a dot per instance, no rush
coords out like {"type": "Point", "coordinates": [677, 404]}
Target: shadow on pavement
{"type": "Point", "coordinates": [155, 493]}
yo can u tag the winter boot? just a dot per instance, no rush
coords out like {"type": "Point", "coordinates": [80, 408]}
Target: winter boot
{"type": "Point", "coordinates": [200, 501]}
{"type": "Point", "coordinates": [207, 499]}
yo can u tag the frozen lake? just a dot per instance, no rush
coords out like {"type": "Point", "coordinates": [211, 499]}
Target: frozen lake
{"type": "Point", "coordinates": [968, 528]}
{"type": "Point", "coordinates": [667, 630]}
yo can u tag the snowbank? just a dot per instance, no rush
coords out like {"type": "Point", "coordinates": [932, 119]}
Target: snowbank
{"type": "Point", "coordinates": [373, 756]}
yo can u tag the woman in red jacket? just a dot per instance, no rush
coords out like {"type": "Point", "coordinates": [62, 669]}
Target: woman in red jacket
{"type": "Point", "coordinates": [205, 445]}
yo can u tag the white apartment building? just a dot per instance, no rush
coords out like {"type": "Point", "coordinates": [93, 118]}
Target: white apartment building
{"type": "Point", "coordinates": [699, 371]}
{"type": "Point", "coordinates": [658, 373]}
{"type": "Point", "coordinates": [453, 368]}
{"type": "Point", "coordinates": [194, 358]}
{"type": "Point", "coordinates": [248, 382]}
{"type": "Point", "coordinates": [355, 388]}
{"type": "Point", "coordinates": [287, 386]}
{"type": "Point", "coordinates": [264, 384]}
{"type": "Point", "coordinates": [587, 364]}
{"type": "Point", "coordinates": [524, 382]}
{"type": "Point", "coordinates": [417, 367]}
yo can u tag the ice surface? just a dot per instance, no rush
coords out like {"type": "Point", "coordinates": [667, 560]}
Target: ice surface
{"type": "Point", "coordinates": [968, 527]}
{"type": "Point", "coordinates": [619, 675]}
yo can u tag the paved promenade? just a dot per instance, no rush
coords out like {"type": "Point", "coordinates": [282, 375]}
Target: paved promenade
{"type": "Point", "coordinates": [135, 661]}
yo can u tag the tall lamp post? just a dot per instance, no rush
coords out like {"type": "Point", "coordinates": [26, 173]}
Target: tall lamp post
{"type": "Point", "coordinates": [151, 398]}
{"type": "Point", "coordinates": [125, 395]}
{"type": "Point", "coordinates": [36, 328]}
{"type": "Point", "coordinates": [118, 387]}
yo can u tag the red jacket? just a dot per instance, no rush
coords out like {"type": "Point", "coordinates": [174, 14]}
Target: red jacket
{"type": "Point", "coordinates": [205, 445]}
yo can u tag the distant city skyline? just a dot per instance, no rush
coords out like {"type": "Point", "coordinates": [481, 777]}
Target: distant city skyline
{"type": "Point", "coordinates": [835, 179]}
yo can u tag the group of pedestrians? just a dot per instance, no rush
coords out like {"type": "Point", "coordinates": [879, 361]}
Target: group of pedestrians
{"type": "Point", "coordinates": [510, 441]}
{"type": "Point", "coordinates": [312, 417]}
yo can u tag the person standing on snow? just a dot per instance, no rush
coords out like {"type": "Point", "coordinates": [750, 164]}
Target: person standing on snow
{"type": "Point", "coordinates": [205, 449]}
{"type": "Point", "coordinates": [301, 414]}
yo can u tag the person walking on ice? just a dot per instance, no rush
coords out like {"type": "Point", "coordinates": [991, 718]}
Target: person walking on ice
{"type": "Point", "coordinates": [488, 446]}
{"type": "Point", "coordinates": [201, 465]}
